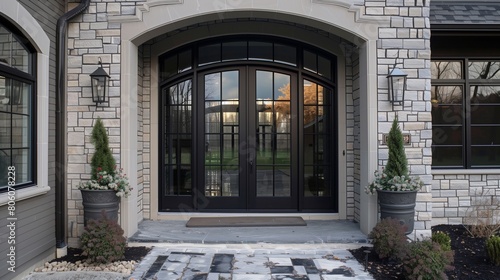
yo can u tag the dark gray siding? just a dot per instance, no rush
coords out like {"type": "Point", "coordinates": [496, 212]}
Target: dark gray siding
{"type": "Point", "coordinates": [35, 228]}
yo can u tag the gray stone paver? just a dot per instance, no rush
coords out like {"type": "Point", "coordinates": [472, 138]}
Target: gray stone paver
{"type": "Point", "coordinates": [257, 264]}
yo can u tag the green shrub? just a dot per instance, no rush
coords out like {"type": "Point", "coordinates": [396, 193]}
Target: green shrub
{"type": "Point", "coordinates": [493, 249]}
{"type": "Point", "coordinates": [442, 239]}
{"type": "Point", "coordinates": [103, 241]}
{"type": "Point", "coordinates": [103, 159]}
{"type": "Point", "coordinates": [426, 260]}
{"type": "Point", "coordinates": [389, 239]}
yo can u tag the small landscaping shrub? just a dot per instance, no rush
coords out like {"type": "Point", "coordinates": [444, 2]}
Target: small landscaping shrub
{"type": "Point", "coordinates": [389, 239]}
{"type": "Point", "coordinates": [442, 239]}
{"type": "Point", "coordinates": [426, 260]}
{"type": "Point", "coordinates": [103, 241]}
{"type": "Point", "coordinates": [493, 249]}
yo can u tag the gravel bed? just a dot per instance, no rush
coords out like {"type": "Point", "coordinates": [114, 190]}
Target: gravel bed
{"type": "Point", "coordinates": [124, 267]}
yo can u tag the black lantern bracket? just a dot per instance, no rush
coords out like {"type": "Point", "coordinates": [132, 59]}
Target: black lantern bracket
{"type": "Point", "coordinates": [396, 85]}
{"type": "Point", "coordinates": [99, 80]}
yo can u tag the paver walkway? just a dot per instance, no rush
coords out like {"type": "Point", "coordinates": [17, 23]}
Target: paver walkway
{"type": "Point", "coordinates": [245, 263]}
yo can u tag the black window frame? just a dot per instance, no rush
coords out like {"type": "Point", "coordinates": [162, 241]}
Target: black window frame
{"type": "Point", "coordinates": [466, 83]}
{"type": "Point", "coordinates": [28, 77]}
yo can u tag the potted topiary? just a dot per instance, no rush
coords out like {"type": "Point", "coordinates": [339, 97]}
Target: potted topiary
{"type": "Point", "coordinates": [396, 189]}
{"type": "Point", "coordinates": [102, 193]}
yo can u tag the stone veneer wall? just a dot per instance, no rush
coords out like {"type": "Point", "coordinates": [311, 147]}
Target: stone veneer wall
{"type": "Point", "coordinates": [145, 122]}
{"type": "Point", "coordinates": [351, 89]}
{"type": "Point", "coordinates": [90, 37]}
{"type": "Point", "coordinates": [457, 198]}
{"type": "Point", "coordinates": [407, 42]}
{"type": "Point", "coordinates": [356, 148]}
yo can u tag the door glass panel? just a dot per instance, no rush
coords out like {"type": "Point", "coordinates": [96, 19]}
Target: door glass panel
{"type": "Point", "coordinates": [178, 139]}
{"type": "Point", "coordinates": [282, 183]}
{"type": "Point", "coordinates": [273, 147]}
{"type": "Point", "coordinates": [212, 86]}
{"type": "Point", "coordinates": [265, 85]}
{"type": "Point", "coordinates": [281, 86]}
{"type": "Point", "coordinates": [316, 134]}
{"type": "Point", "coordinates": [222, 134]}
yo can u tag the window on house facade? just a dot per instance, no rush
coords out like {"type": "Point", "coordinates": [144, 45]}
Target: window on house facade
{"type": "Point", "coordinates": [465, 113]}
{"type": "Point", "coordinates": [17, 107]}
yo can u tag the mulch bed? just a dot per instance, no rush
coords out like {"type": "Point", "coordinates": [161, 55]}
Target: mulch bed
{"type": "Point", "coordinates": [471, 260]}
{"type": "Point", "coordinates": [131, 254]}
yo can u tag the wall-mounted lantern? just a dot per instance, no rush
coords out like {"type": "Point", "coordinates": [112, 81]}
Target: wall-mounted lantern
{"type": "Point", "coordinates": [397, 85]}
{"type": "Point", "coordinates": [100, 86]}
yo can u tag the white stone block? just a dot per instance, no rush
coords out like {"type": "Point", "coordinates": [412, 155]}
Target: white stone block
{"type": "Point", "coordinates": [459, 184]}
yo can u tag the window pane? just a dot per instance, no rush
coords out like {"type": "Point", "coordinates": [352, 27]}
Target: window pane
{"type": "Point", "coordinates": [185, 146]}
{"type": "Point", "coordinates": [447, 114]}
{"type": "Point", "coordinates": [230, 85]}
{"type": "Point", "coordinates": [446, 95]}
{"type": "Point", "coordinates": [184, 61]}
{"type": "Point", "coordinates": [169, 67]}
{"type": "Point", "coordinates": [5, 162]}
{"type": "Point", "coordinates": [230, 151]}
{"type": "Point", "coordinates": [213, 116]}
{"type": "Point", "coordinates": [20, 97]}
{"type": "Point", "coordinates": [485, 135]}
{"type": "Point", "coordinates": [484, 70]}
{"type": "Point", "coordinates": [446, 70]}
{"type": "Point", "coordinates": [264, 84]}
{"type": "Point", "coordinates": [447, 135]}
{"type": "Point", "coordinates": [314, 184]}
{"type": "Point", "coordinates": [4, 94]}
{"type": "Point", "coordinates": [209, 54]}
{"type": "Point", "coordinates": [310, 62]}
{"type": "Point", "coordinates": [282, 184]}
{"type": "Point", "coordinates": [5, 42]}
{"type": "Point", "coordinates": [184, 118]}
{"type": "Point", "coordinates": [12, 52]}
{"type": "Point", "coordinates": [234, 51]}
{"type": "Point", "coordinates": [213, 181]}
{"type": "Point", "coordinates": [20, 57]}
{"type": "Point", "coordinates": [21, 160]}
{"type": "Point", "coordinates": [281, 87]}
{"type": "Point", "coordinates": [324, 67]}
{"type": "Point", "coordinates": [230, 180]}
{"type": "Point", "coordinates": [285, 54]}
{"type": "Point", "coordinates": [310, 92]}
{"type": "Point", "coordinates": [265, 180]}
{"type": "Point", "coordinates": [212, 149]}
{"type": "Point", "coordinates": [447, 156]}
{"type": "Point", "coordinates": [481, 114]}
{"type": "Point", "coordinates": [5, 132]}
{"type": "Point", "coordinates": [20, 131]}
{"type": "Point", "coordinates": [260, 51]}
{"type": "Point", "coordinates": [212, 86]}
{"type": "Point", "coordinates": [485, 156]}
{"type": "Point", "coordinates": [485, 94]}
{"type": "Point", "coordinates": [264, 148]}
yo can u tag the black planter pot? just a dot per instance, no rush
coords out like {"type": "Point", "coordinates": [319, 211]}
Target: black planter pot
{"type": "Point", "coordinates": [398, 205]}
{"type": "Point", "coordinates": [97, 201]}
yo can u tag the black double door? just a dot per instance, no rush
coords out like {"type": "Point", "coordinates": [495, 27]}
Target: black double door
{"type": "Point", "coordinates": [232, 143]}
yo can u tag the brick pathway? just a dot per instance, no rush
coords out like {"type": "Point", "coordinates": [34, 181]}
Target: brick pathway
{"type": "Point", "coordinates": [249, 264]}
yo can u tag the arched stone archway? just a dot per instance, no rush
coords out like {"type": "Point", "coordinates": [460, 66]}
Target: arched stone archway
{"type": "Point", "coordinates": [195, 26]}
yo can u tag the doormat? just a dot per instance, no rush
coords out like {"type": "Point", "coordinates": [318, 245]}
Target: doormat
{"type": "Point", "coordinates": [245, 222]}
